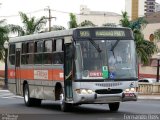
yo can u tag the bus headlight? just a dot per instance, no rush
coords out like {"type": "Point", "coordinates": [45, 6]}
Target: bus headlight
{"type": "Point", "coordinates": [84, 91]}
{"type": "Point", "coordinates": [132, 89]}
{"type": "Point", "coordinates": [129, 90]}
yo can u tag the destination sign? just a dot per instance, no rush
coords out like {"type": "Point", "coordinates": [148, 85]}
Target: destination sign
{"type": "Point", "coordinates": [84, 33]}
{"type": "Point", "coordinates": [109, 33]}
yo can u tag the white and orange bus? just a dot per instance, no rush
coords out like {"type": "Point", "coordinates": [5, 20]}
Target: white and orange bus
{"type": "Point", "coordinates": [74, 67]}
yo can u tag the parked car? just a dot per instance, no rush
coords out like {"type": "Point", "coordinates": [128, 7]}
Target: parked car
{"type": "Point", "coordinates": [149, 80]}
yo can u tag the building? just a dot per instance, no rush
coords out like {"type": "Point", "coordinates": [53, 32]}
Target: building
{"type": "Point", "coordinates": [149, 6]}
{"type": "Point", "coordinates": [157, 7]}
{"type": "Point", "coordinates": [153, 20]}
{"type": "Point", "coordinates": [139, 8]}
{"type": "Point", "coordinates": [98, 17]}
{"type": "Point", "coordinates": [134, 8]}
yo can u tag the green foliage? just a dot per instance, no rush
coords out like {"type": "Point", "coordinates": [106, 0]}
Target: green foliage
{"type": "Point", "coordinates": [157, 35]}
{"type": "Point", "coordinates": [125, 20]}
{"type": "Point", "coordinates": [3, 37]}
{"type": "Point", "coordinates": [109, 25]}
{"type": "Point", "coordinates": [86, 23]}
{"type": "Point", "coordinates": [145, 49]}
{"type": "Point", "coordinates": [57, 27]}
{"type": "Point", "coordinates": [72, 22]}
{"type": "Point", "coordinates": [30, 25]}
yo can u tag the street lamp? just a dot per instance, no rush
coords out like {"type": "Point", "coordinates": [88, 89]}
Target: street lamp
{"type": "Point", "coordinates": [6, 66]}
{"type": "Point", "coordinates": [158, 61]}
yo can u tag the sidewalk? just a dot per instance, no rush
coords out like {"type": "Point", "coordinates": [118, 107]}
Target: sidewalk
{"type": "Point", "coordinates": [149, 97]}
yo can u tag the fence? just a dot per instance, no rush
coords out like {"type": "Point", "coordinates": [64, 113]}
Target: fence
{"type": "Point", "coordinates": [149, 88]}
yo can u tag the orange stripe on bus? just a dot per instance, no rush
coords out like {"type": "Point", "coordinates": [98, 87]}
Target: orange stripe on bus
{"type": "Point", "coordinates": [31, 74]}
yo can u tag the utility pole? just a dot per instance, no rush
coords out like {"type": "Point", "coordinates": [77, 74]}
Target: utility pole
{"type": "Point", "coordinates": [49, 17]}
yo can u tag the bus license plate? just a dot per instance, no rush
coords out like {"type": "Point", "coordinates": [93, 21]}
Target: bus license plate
{"type": "Point", "coordinates": [129, 94]}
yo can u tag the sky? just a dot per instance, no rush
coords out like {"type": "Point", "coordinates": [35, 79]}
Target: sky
{"type": "Point", "coordinates": [9, 9]}
{"type": "Point", "coordinates": [36, 8]}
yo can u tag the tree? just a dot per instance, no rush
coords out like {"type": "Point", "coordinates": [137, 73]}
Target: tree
{"type": "Point", "coordinates": [145, 49]}
{"type": "Point", "coordinates": [3, 37]}
{"type": "Point", "coordinates": [86, 23]}
{"type": "Point", "coordinates": [30, 25]}
{"type": "Point", "coordinates": [125, 20]}
{"type": "Point", "coordinates": [57, 27]}
{"type": "Point", "coordinates": [72, 22]}
{"type": "Point", "coordinates": [157, 34]}
{"type": "Point", "coordinates": [109, 24]}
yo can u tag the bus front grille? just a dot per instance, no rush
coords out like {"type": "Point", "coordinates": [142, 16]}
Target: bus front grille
{"type": "Point", "coordinates": [113, 84]}
{"type": "Point", "coordinates": [109, 91]}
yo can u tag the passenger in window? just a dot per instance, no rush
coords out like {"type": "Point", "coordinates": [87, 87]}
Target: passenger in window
{"type": "Point", "coordinates": [118, 58]}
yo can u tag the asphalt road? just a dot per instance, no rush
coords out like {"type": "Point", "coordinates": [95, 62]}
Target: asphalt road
{"type": "Point", "coordinates": [13, 108]}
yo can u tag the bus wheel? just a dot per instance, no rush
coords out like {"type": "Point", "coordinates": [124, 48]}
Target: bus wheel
{"type": "Point", "coordinates": [114, 106]}
{"type": "Point", "coordinates": [27, 100]}
{"type": "Point", "coordinates": [65, 107]}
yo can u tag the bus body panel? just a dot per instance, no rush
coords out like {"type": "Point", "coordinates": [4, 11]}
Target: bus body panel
{"type": "Point", "coordinates": [43, 79]}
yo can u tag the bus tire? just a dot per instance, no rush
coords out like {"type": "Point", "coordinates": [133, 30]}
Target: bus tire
{"type": "Point", "coordinates": [27, 100]}
{"type": "Point", "coordinates": [114, 106]}
{"type": "Point", "coordinates": [65, 107]}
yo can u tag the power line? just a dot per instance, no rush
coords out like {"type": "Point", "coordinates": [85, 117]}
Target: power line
{"type": "Point", "coordinates": [36, 11]}
{"type": "Point", "coordinates": [49, 17]}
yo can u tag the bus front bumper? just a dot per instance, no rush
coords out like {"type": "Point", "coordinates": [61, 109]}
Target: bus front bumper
{"type": "Point", "coordinates": [104, 98]}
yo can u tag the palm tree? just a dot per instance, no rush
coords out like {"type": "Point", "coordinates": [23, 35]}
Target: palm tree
{"type": "Point", "coordinates": [145, 49]}
{"type": "Point", "coordinates": [3, 37]}
{"type": "Point", "coordinates": [125, 20]}
{"type": "Point", "coordinates": [72, 22]}
{"type": "Point", "coordinates": [86, 23]}
{"type": "Point", "coordinates": [31, 25]}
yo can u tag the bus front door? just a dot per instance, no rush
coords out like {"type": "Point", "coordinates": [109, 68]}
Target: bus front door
{"type": "Point", "coordinates": [68, 72]}
{"type": "Point", "coordinates": [17, 72]}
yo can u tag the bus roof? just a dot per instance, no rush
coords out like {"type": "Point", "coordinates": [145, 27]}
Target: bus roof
{"type": "Point", "coordinates": [42, 35]}
{"type": "Point", "coordinates": [57, 34]}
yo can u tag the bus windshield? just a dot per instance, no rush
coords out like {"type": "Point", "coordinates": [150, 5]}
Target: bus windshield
{"type": "Point", "coordinates": [105, 59]}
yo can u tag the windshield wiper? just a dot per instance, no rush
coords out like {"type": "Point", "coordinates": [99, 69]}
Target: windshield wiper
{"type": "Point", "coordinates": [112, 48]}
{"type": "Point", "coordinates": [95, 45]}
{"type": "Point", "coordinates": [115, 44]}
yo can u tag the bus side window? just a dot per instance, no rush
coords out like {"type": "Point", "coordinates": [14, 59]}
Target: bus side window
{"type": "Point", "coordinates": [47, 55]}
{"type": "Point", "coordinates": [30, 53]}
{"type": "Point", "coordinates": [12, 48]}
{"type": "Point", "coordinates": [58, 53]}
{"type": "Point", "coordinates": [39, 52]}
{"type": "Point", "coordinates": [23, 53]}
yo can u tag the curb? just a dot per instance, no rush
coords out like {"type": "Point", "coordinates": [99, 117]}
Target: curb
{"type": "Point", "coordinates": [149, 97]}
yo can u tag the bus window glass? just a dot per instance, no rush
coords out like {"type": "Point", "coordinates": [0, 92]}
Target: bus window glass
{"type": "Point", "coordinates": [12, 48]}
{"type": "Point", "coordinates": [30, 47]}
{"type": "Point", "coordinates": [116, 57]}
{"type": "Point", "coordinates": [38, 58]}
{"type": "Point", "coordinates": [48, 46]}
{"type": "Point", "coordinates": [12, 59]}
{"type": "Point", "coordinates": [47, 58]}
{"type": "Point", "coordinates": [40, 46]}
{"type": "Point", "coordinates": [23, 59]}
{"type": "Point", "coordinates": [58, 58]}
{"type": "Point", "coordinates": [24, 48]}
{"type": "Point", "coordinates": [59, 45]}
{"type": "Point", "coordinates": [30, 58]}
